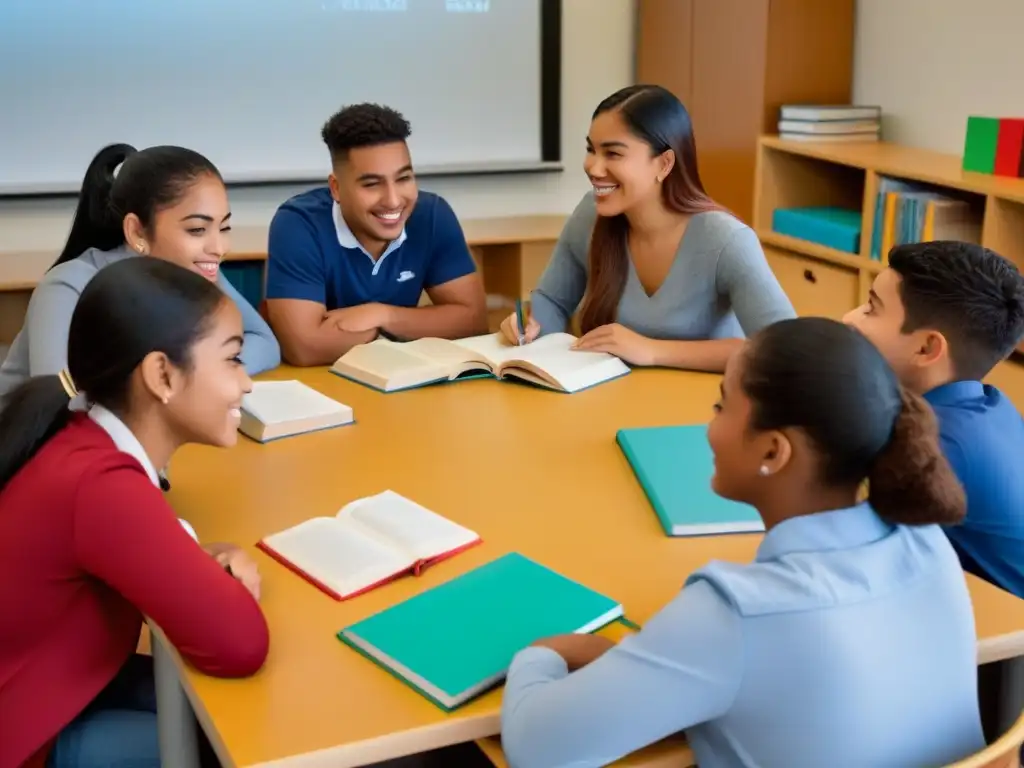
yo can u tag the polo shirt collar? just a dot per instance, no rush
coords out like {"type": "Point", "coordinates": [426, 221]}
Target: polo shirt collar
{"type": "Point", "coordinates": [124, 439]}
{"type": "Point", "coordinates": [346, 239]}
{"type": "Point", "coordinates": [955, 392]}
{"type": "Point", "coordinates": [824, 531]}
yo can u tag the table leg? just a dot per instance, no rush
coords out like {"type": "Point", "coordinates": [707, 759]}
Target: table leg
{"type": "Point", "coordinates": [176, 723]}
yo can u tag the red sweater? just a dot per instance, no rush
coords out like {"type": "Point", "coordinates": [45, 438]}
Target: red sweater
{"type": "Point", "coordinates": [87, 546]}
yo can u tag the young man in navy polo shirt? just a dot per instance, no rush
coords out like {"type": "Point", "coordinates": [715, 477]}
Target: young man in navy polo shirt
{"type": "Point", "coordinates": [349, 261]}
{"type": "Point", "coordinates": [944, 314]}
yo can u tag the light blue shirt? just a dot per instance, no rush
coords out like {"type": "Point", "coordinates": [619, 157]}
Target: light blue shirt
{"type": "Point", "coordinates": [41, 347]}
{"type": "Point", "coordinates": [848, 642]}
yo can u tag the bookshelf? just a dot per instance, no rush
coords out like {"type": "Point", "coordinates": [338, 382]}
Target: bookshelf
{"type": "Point", "coordinates": [829, 282]}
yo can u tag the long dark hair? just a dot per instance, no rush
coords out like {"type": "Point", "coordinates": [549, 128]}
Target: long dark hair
{"type": "Point", "coordinates": [130, 309]}
{"type": "Point", "coordinates": [827, 379]}
{"type": "Point", "coordinates": [148, 180]}
{"type": "Point", "coordinates": [655, 116]}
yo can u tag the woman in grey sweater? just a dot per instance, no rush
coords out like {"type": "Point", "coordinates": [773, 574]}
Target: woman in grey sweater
{"type": "Point", "coordinates": [666, 276]}
{"type": "Point", "coordinates": [166, 202]}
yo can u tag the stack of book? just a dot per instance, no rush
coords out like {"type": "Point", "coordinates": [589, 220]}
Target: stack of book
{"type": "Point", "coordinates": [914, 213]}
{"type": "Point", "coordinates": [818, 122]}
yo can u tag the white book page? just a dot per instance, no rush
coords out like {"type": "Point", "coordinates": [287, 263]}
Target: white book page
{"type": "Point", "coordinates": [494, 348]}
{"type": "Point", "coordinates": [278, 402]}
{"type": "Point", "coordinates": [575, 370]}
{"type": "Point", "coordinates": [339, 556]}
{"type": "Point", "coordinates": [393, 362]}
{"type": "Point", "coordinates": [413, 529]}
{"type": "Point", "coordinates": [443, 351]}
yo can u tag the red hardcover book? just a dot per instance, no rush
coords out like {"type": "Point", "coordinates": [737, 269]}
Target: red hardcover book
{"type": "Point", "coordinates": [1009, 147]}
{"type": "Point", "coordinates": [370, 542]}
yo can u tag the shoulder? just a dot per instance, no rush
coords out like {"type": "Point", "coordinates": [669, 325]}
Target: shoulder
{"type": "Point", "coordinates": [77, 272]}
{"type": "Point", "coordinates": [312, 207]}
{"type": "Point", "coordinates": [718, 232]}
{"type": "Point", "coordinates": [431, 215]}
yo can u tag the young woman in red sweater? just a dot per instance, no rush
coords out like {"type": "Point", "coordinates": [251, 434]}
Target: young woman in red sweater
{"type": "Point", "coordinates": [88, 543]}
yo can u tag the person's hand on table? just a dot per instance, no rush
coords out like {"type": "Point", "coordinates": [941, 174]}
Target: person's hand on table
{"type": "Point", "coordinates": [618, 340]}
{"type": "Point", "coordinates": [510, 330]}
{"type": "Point", "coordinates": [578, 650]}
{"type": "Point", "coordinates": [236, 562]}
{"type": "Point", "coordinates": [361, 318]}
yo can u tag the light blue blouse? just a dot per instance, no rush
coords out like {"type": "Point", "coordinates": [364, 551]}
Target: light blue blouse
{"type": "Point", "coordinates": [41, 347]}
{"type": "Point", "coordinates": [848, 642]}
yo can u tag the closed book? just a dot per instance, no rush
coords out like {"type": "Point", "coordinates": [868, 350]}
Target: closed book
{"type": "Point", "coordinates": [674, 466]}
{"type": "Point", "coordinates": [829, 138]}
{"type": "Point", "coordinates": [841, 127]}
{"type": "Point", "coordinates": [829, 112]}
{"type": "Point", "coordinates": [1009, 146]}
{"type": "Point", "coordinates": [832, 227]}
{"type": "Point", "coordinates": [455, 641]}
{"type": "Point", "coordinates": [276, 409]}
{"type": "Point", "coordinates": [980, 144]}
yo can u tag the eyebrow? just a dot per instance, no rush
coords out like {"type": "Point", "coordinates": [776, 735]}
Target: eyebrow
{"type": "Point", "coordinates": [609, 144]}
{"type": "Point", "coordinates": [721, 388]}
{"type": "Point", "coordinates": [204, 217]}
{"type": "Point", "coordinates": [233, 340]}
{"type": "Point", "coordinates": [378, 177]}
{"type": "Point", "coordinates": [874, 297]}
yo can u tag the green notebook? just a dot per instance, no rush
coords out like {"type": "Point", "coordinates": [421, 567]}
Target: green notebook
{"type": "Point", "coordinates": [455, 641]}
{"type": "Point", "coordinates": [674, 466]}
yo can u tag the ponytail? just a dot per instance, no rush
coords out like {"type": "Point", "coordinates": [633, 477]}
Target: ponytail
{"type": "Point", "coordinates": [96, 223]}
{"type": "Point", "coordinates": [910, 482]}
{"type": "Point", "coordinates": [32, 413]}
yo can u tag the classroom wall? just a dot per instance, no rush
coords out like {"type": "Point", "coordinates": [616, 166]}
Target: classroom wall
{"type": "Point", "coordinates": [931, 63]}
{"type": "Point", "coordinates": [597, 50]}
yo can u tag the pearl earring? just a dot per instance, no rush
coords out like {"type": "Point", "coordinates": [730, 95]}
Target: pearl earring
{"type": "Point", "coordinates": [764, 471]}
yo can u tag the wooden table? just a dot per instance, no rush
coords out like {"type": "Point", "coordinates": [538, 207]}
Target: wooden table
{"type": "Point", "coordinates": [533, 471]}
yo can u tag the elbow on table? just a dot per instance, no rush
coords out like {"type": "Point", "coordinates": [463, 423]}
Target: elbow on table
{"type": "Point", "coordinates": [238, 650]}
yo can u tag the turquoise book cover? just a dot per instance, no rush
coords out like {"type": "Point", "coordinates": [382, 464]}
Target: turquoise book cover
{"type": "Point", "coordinates": [674, 466]}
{"type": "Point", "coordinates": [456, 640]}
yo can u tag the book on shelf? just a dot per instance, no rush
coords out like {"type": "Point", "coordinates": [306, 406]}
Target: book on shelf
{"type": "Point", "coordinates": [455, 641]}
{"type": "Point", "coordinates": [276, 409]}
{"type": "Point", "coordinates": [674, 466]}
{"type": "Point", "coordinates": [815, 122]}
{"type": "Point", "coordinates": [906, 212]}
{"type": "Point", "coordinates": [370, 542]}
{"type": "Point", "coordinates": [548, 362]}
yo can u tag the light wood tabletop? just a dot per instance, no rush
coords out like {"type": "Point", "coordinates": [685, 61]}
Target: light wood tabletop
{"type": "Point", "coordinates": [532, 471]}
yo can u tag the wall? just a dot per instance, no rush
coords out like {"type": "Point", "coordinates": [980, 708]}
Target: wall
{"type": "Point", "coordinates": [931, 63]}
{"type": "Point", "coordinates": [597, 59]}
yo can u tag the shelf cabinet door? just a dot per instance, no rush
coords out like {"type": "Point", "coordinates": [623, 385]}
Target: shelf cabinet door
{"type": "Point", "coordinates": [814, 287]}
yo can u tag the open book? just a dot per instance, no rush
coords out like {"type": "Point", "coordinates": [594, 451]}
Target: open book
{"type": "Point", "coordinates": [283, 408]}
{"type": "Point", "coordinates": [549, 362]}
{"type": "Point", "coordinates": [370, 542]}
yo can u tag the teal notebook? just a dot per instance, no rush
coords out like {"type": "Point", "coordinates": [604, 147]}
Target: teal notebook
{"type": "Point", "coordinates": [455, 641]}
{"type": "Point", "coordinates": [674, 466]}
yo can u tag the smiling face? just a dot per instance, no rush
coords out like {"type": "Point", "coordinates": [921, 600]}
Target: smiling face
{"type": "Point", "coordinates": [204, 401]}
{"type": "Point", "coordinates": [193, 233]}
{"type": "Point", "coordinates": [376, 190]}
{"type": "Point", "coordinates": [623, 170]}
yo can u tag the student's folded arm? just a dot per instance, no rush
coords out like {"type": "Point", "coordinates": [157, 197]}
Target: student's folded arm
{"type": "Point", "coordinates": [563, 283]}
{"type": "Point", "coordinates": [260, 350]}
{"type": "Point", "coordinates": [127, 536]}
{"type": "Point", "coordinates": [297, 295]}
{"type": "Point", "coordinates": [47, 323]}
{"type": "Point", "coordinates": [682, 669]}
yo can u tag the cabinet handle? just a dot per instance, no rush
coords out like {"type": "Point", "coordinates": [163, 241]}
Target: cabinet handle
{"type": "Point", "coordinates": [809, 276]}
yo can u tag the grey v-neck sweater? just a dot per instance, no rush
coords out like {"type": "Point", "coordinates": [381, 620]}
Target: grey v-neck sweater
{"type": "Point", "coordinates": [719, 285]}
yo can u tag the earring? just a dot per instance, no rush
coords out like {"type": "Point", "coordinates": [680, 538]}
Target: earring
{"type": "Point", "coordinates": [141, 248]}
{"type": "Point", "coordinates": [166, 399]}
{"type": "Point", "coordinates": [764, 471]}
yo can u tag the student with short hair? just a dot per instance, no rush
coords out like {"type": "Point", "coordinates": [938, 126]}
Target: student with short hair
{"type": "Point", "coordinates": [848, 642]}
{"type": "Point", "coordinates": [662, 275]}
{"type": "Point", "coordinates": [349, 261]}
{"type": "Point", "coordinates": [944, 314]}
{"type": "Point", "coordinates": [166, 202]}
{"type": "Point", "coordinates": [88, 543]}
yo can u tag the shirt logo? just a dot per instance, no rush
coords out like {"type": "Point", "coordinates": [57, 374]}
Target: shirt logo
{"type": "Point", "coordinates": [406, 275]}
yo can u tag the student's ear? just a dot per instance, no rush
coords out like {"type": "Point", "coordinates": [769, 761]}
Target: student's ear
{"type": "Point", "coordinates": [334, 186]}
{"type": "Point", "coordinates": [778, 450]}
{"type": "Point", "coordinates": [160, 377]}
{"type": "Point", "coordinates": [931, 347]}
{"type": "Point", "coordinates": [666, 162]}
{"type": "Point", "coordinates": [135, 234]}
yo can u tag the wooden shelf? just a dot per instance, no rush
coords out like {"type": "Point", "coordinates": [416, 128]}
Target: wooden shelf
{"type": "Point", "coordinates": [808, 173]}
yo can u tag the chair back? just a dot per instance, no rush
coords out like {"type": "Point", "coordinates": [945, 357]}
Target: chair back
{"type": "Point", "coordinates": [1003, 753]}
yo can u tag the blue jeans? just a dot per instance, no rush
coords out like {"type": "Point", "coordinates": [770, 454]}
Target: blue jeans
{"type": "Point", "coordinates": [118, 729]}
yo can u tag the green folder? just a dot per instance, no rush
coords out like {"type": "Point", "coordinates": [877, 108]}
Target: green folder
{"type": "Point", "coordinates": [455, 641]}
{"type": "Point", "coordinates": [674, 466]}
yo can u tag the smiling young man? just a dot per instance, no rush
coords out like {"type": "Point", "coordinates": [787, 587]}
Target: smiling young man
{"type": "Point", "coordinates": [944, 314]}
{"type": "Point", "coordinates": [350, 261]}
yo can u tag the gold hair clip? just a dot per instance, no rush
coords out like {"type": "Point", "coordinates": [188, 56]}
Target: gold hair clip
{"type": "Point", "coordinates": [68, 383]}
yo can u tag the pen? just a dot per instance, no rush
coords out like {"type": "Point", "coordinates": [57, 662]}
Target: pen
{"type": "Point", "coordinates": [521, 320]}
